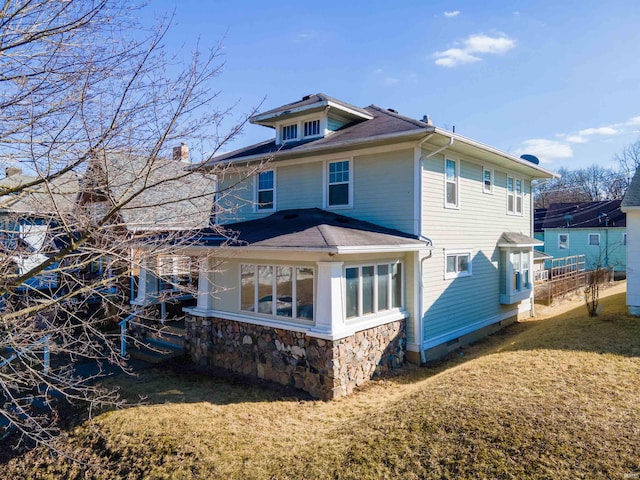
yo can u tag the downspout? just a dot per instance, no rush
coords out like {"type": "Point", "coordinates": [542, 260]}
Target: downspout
{"type": "Point", "coordinates": [421, 159]}
{"type": "Point", "coordinates": [420, 265]}
{"type": "Point", "coordinates": [441, 148]}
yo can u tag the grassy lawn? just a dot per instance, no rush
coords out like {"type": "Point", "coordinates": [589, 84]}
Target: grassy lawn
{"type": "Point", "coordinates": [556, 397]}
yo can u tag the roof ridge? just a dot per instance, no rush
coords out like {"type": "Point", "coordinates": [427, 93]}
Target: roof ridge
{"type": "Point", "coordinates": [395, 114]}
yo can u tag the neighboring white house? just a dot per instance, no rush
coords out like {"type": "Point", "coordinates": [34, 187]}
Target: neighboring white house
{"type": "Point", "coordinates": [631, 206]}
{"type": "Point", "coordinates": [365, 237]}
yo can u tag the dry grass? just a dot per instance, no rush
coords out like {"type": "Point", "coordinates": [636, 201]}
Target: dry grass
{"type": "Point", "coordinates": [556, 397]}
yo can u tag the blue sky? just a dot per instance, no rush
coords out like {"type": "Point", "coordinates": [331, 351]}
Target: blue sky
{"type": "Point", "coordinates": [558, 79]}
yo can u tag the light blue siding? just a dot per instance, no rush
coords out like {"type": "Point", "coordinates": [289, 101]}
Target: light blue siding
{"type": "Point", "coordinates": [611, 252]}
{"type": "Point", "coordinates": [384, 190]}
{"type": "Point", "coordinates": [466, 303]}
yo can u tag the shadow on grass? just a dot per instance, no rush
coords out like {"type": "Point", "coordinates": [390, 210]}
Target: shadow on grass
{"type": "Point", "coordinates": [612, 332]}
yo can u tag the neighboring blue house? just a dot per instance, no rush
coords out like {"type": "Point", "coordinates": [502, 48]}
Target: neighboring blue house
{"type": "Point", "coordinates": [359, 237]}
{"type": "Point", "coordinates": [29, 221]}
{"type": "Point", "coordinates": [597, 230]}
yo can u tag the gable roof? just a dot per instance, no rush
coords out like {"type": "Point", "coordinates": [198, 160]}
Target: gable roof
{"type": "Point", "coordinates": [311, 230]}
{"type": "Point", "coordinates": [632, 197]}
{"type": "Point", "coordinates": [171, 196]}
{"type": "Point", "coordinates": [600, 214]}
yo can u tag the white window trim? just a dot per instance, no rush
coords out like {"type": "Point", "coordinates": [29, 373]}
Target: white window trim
{"type": "Point", "coordinates": [256, 189]}
{"type": "Point", "coordinates": [458, 253]}
{"type": "Point", "coordinates": [455, 206]}
{"type": "Point", "coordinates": [325, 182]}
{"type": "Point", "coordinates": [559, 241]}
{"type": "Point", "coordinates": [515, 196]}
{"type": "Point", "coordinates": [316, 119]}
{"type": "Point", "coordinates": [292, 139]}
{"type": "Point", "coordinates": [294, 296]}
{"type": "Point", "coordinates": [589, 240]}
{"type": "Point", "coordinates": [493, 174]}
{"type": "Point", "coordinates": [375, 312]}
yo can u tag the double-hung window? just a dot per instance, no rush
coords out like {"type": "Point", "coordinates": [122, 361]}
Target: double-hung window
{"type": "Point", "coordinates": [373, 288]}
{"type": "Point", "coordinates": [519, 196]}
{"type": "Point", "coordinates": [521, 265]}
{"type": "Point", "coordinates": [563, 241]}
{"type": "Point", "coordinates": [265, 191]}
{"type": "Point", "coordinates": [451, 182]}
{"type": "Point", "coordinates": [457, 264]}
{"type": "Point", "coordinates": [339, 184]}
{"type": "Point", "coordinates": [487, 180]}
{"type": "Point", "coordinates": [515, 196]}
{"type": "Point", "coordinates": [289, 132]}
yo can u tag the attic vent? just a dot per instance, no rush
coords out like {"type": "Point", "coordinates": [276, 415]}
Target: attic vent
{"type": "Point", "coordinates": [343, 219]}
{"type": "Point", "coordinates": [392, 110]}
{"type": "Point", "coordinates": [290, 216]}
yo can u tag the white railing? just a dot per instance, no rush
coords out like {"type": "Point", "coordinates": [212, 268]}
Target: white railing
{"type": "Point", "coordinates": [46, 360]}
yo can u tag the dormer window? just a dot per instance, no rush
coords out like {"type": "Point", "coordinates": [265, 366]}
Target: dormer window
{"type": "Point", "coordinates": [312, 128]}
{"type": "Point", "coordinates": [290, 132]}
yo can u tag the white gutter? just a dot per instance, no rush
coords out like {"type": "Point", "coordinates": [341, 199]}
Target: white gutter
{"type": "Point", "coordinates": [303, 151]}
{"type": "Point", "coordinates": [495, 151]}
{"type": "Point", "coordinates": [441, 148]}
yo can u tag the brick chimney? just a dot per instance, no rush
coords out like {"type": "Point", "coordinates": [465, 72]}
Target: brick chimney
{"type": "Point", "coordinates": [10, 171]}
{"type": "Point", "coordinates": [181, 153]}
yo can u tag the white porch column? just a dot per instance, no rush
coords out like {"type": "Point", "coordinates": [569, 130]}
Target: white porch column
{"type": "Point", "coordinates": [330, 299]}
{"type": "Point", "coordinates": [205, 285]}
{"type": "Point", "coordinates": [147, 282]}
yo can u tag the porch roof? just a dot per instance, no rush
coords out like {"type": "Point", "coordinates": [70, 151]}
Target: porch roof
{"type": "Point", "coordinates": [310, 230]}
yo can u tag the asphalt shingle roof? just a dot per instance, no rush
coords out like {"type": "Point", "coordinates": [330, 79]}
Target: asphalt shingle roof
{"type": "Point", "coordinates": [384, 122]}
{"type": "Point", "coordinates": [311, 229]}
{"type": "Point", "coordinates": [171, 196]}
{"type": "Point", "coordinates": [632, 197]}
{"type": "Point", "coordinates": [585, 215]}
{"type": "Point", "coordinates": [515, 238]}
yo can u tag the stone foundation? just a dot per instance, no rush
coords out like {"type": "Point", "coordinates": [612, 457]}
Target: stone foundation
{"type": "Point", "coordinates": [324, 368]}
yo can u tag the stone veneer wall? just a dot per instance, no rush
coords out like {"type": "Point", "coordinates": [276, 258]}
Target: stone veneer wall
{"type": "Point", "coordinates": [324, 368]}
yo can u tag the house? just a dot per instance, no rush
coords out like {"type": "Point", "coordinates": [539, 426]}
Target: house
{"type": "Point", "coordinates": [158, 200]}
{"type": "Point", "coordinates": [594, 229]}
{"type": "Point", "coordinates": [31, 211]}
{"type": "Point", "coordinates": [357, 238]}
{"type": "Point", "coordinates": [631, 207]}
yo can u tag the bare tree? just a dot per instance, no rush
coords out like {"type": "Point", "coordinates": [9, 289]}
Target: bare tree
{"type": "Point", "coordinates": [629, 158]}
{"type": "Point", "coordinates": [89, 113]}
{"type": "Point", "coordinates": [588, 184]}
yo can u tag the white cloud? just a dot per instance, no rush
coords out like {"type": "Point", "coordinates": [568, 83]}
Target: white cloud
{"type": "Point", "coordinates": [545, 150]}
{"type": "Point", "coordinates": [455, 13]}
{"type": "Point", "coordinates": [633, 121]}
{"type": "Point", "coordinates": [576, 139]}
{"type": "Point", "coordinates": [471, 47]}
{"type": "Point", "coordinates": [598, 131]}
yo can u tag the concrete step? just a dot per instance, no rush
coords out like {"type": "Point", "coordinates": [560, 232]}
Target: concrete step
{"type": "Point", "coordinates": [154, 351]}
